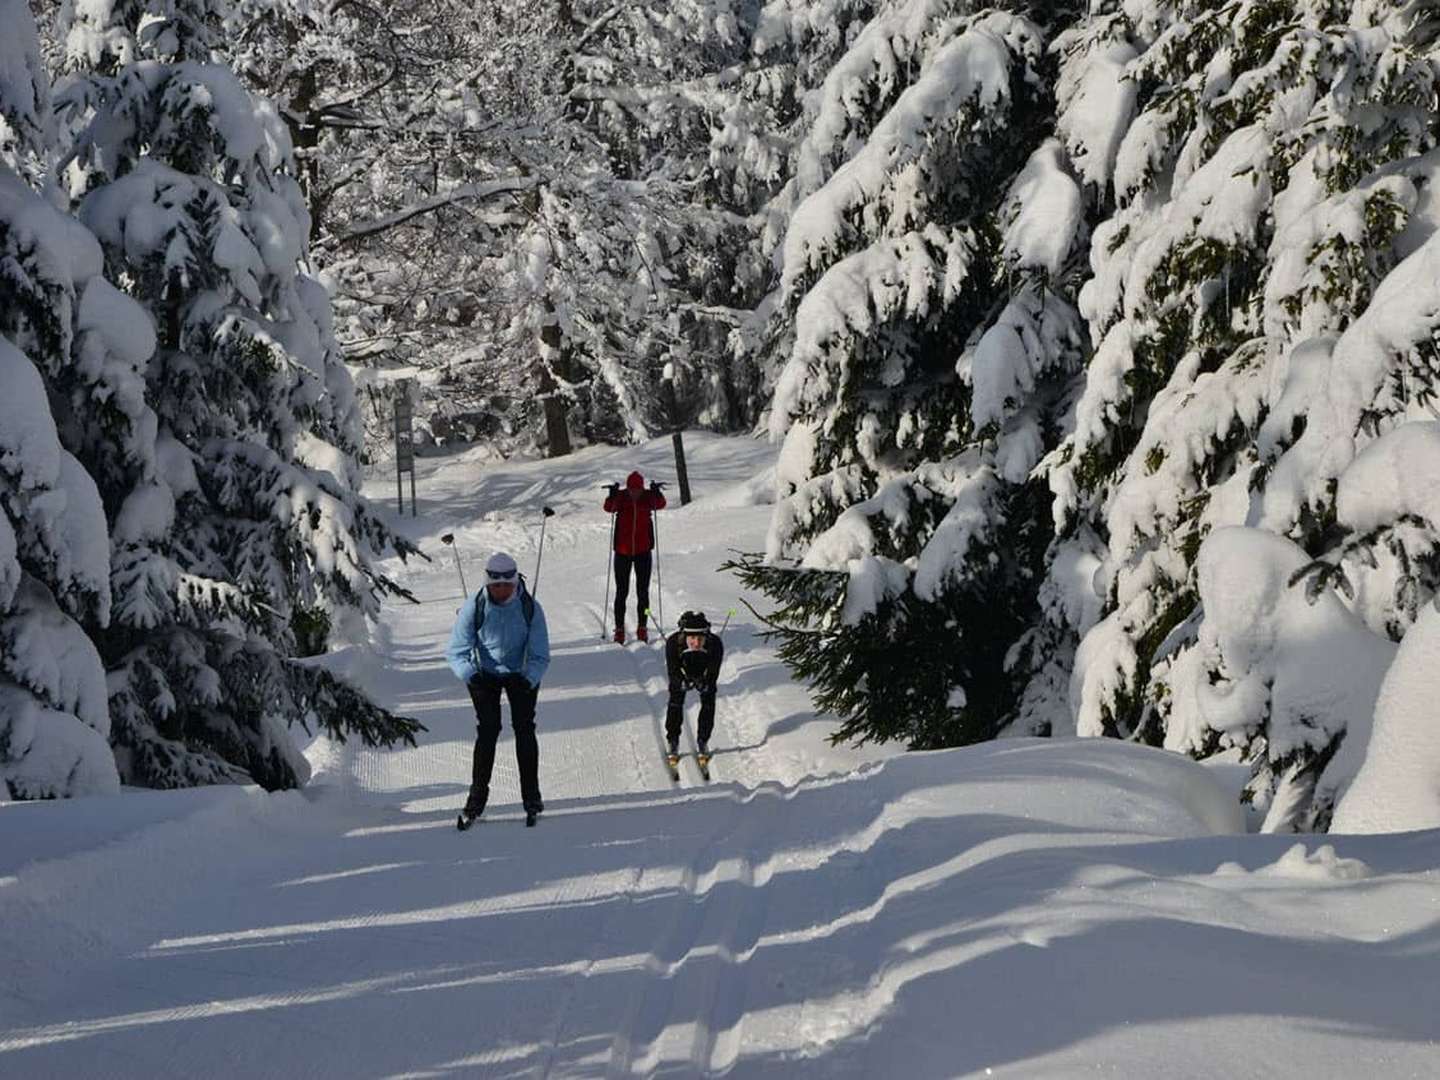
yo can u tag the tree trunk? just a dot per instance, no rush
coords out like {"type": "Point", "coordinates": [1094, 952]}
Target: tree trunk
{"type": "Point", "coordinates": [554, 346]}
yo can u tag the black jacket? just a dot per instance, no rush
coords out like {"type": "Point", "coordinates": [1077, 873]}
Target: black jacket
{"type": "Point", "coordinates": [699, 668]}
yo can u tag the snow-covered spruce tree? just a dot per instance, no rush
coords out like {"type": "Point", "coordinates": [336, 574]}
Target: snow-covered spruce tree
{"type": "Point", "coordinates": [926, 275]}
{"type": "Point", "coordinates": [1265, 161]}
{"type": "Point", "coordinates": [54, 564]}
{"type": "Point", "coordinates": [187, 181]}
{"type": "Point", "coordinates": [770, 149]}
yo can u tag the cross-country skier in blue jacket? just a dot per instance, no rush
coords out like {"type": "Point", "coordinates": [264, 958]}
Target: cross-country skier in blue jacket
{"type": "Point", "coordinates": [500, 642]}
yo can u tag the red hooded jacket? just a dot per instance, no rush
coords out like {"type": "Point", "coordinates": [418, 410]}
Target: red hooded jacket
{"type": "Point", "coordinates": [633, 534]}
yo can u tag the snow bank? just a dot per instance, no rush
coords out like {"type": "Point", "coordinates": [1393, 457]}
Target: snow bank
{"type": "Point", "coordinates": [1398, 786]}
{"type": "Point", "coordinates": [1298, 864]}
{"type": "Point", "coordinates": [1264, 650]}
{"type": "Point", "coordinates": [758, 490]}
{"type": "Point", "coordinates": [1092, 784]}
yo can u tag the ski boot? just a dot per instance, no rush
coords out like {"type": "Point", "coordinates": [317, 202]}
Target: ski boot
{"type": "Point", "coordinates": [619, 637]}
{"type": "Point", "coordinates": [642, 634]}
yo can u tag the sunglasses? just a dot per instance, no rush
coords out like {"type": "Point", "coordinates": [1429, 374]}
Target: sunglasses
{"type": "Point", "coordinates": [504, 577]}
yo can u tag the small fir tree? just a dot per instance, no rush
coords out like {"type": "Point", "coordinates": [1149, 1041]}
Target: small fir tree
{"type": "Point", "coordinates": [188, 182]}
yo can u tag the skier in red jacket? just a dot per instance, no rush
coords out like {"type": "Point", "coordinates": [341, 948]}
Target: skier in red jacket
{"type": "Point", "coordinates": [634, 542]}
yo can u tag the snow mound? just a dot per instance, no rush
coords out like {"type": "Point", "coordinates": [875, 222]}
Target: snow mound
{"type": "Point", "coordinates": [758, 490]}
{"type": "Point", "coordinates": [1398, 785]}
{"type": "Point", "coordinates": [1299, 864]}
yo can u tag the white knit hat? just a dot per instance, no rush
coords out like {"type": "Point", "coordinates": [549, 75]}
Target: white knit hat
{"type": "Point", "coordinates": [500, 567]}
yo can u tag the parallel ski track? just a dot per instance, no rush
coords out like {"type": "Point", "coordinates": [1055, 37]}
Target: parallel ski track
{"type": "Point", "coordinates": [713, 1002]}
{"type": "Point", "coordinates": [555, 1030]}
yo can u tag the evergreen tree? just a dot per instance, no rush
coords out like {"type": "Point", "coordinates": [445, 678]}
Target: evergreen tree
{"type": "Point", "coordinates": [1264, 162]}
{"type": "Point", "coordinates": [56, 314]}
{"type": "Point", "coordinates": [928, 251]}
{"type": "Point", "coordinates": [242, 537]}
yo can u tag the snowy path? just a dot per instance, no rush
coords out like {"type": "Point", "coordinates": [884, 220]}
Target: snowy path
{"type": "Point", "coordinates": [1022, 909]}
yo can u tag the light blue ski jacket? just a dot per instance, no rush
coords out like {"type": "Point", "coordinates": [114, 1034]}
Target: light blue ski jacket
{"type": "Point", "coordinates": [498, 644]}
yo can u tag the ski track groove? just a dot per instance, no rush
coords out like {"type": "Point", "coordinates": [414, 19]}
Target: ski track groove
{"type": "Point", "coordinates": [716, 1046]}
{"type": "Point", "coordinates": [575, 757]}
{"type": "Point", "coordinates": [648, 1010]}
{"type": "Point", "coordinates": [718, 999]}
{"type": "Point", "coordinates": [556, 1028]}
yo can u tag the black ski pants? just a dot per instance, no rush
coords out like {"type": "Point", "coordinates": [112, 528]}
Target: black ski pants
{"type": "Point", "coordinates": [623, 563]}
{"type": "Point", "coordinates": [675, 713]}
{"type": "Point", "coordinates": [485, 691]}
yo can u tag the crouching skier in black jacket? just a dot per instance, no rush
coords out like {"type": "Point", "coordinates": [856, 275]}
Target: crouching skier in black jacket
{"type": "Point", "coordinates": [692, 658]}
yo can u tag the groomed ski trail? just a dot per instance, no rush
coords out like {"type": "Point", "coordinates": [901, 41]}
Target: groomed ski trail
{"type": "Point", "coordinates": [614, 939]}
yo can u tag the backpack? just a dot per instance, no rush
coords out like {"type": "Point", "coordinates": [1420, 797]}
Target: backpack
{"type": "Point", "coordinates": [527, 605]}
{"type": "Point", "coordinates": [527, 608]}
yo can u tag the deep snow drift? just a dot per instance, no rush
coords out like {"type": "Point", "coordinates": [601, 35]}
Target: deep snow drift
{"type": "Point", "coordinates": [1022, 908]}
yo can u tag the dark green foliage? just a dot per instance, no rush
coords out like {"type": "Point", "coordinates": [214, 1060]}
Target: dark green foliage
{"type": "Point", "coordinates": [210, 708]}
{"type": "Point", "coordinates": [311, 629]}
{"type": "Point", "coordinates": [931, 673]}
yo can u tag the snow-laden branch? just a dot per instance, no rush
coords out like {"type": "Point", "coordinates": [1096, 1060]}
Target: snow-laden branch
{"type": "Point", "coordinates": [463, 193]}
{"type": "Point", "coordinates": [599, 24]}
{"type": "Point", "coordinates": [705, 92]}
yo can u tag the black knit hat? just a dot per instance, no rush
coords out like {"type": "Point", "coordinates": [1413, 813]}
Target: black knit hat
{"type": "Point", "coordinates": [694, 622]}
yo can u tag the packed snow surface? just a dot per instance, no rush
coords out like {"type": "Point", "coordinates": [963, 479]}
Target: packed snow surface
{"type": "Point", "coordinates": [1023, 908]}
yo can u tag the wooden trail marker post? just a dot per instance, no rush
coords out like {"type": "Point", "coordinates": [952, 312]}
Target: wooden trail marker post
{"type": "Point", "coordinates": [404, 444]}
{"type": "Point", "coordinates": [680, 474]}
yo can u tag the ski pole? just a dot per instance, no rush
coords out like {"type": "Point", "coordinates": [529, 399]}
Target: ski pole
{"type": "Point", "coordinates": [449, 541]}
{"type": "Point", "coordinates": [659, 585]}
{"type": "Point", "coordinates": [727, 620]}
{"type": "Point", "coordinates": [545, 515]}
{"type": "Point", "coordinates": [609, 566]}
